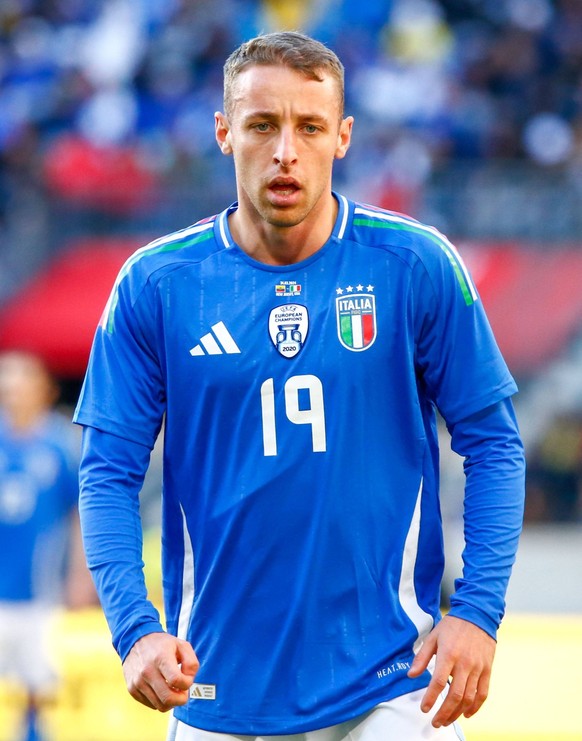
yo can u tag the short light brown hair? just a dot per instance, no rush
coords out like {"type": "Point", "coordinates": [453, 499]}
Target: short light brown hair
{"type": "Point", "coordinates": [287, 48]}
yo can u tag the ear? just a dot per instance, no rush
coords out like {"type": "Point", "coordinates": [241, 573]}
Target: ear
{"type": "Point", "coordinates": [344, 137]}
{"type": "Point", "coordinates": [222, 132]}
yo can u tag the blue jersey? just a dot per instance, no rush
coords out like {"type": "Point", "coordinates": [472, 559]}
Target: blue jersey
{"type": "Point", "coordinates": [38, 490]}
{"type": "Point", "coordinates": [302, 542]}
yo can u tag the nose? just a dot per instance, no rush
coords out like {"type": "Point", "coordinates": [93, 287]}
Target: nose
{"type": "Point", "coordinates": [285, 151]}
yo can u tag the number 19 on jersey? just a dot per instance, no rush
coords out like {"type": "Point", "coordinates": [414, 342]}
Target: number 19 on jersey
{"type": "Point", "coordinates": [313, 414]}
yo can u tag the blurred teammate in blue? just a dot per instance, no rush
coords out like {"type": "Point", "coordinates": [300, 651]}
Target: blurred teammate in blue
{"type": "Point", "coordinates": [296, 347]}
{"type": "Point", "coordinates": [38, 525]}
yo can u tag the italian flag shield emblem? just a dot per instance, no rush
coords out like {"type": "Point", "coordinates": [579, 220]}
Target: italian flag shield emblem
{"type": "Point", "coordinates": [356, 320]}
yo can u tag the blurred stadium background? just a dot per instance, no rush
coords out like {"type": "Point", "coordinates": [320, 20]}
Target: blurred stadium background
{"type": "Point", "coordinates": [468, 116]}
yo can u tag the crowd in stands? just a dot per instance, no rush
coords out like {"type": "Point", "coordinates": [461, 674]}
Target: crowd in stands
{"type": "Point", "coordinates": [107, 105]}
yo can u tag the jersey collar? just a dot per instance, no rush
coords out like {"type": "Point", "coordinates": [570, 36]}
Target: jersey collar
{"type": "Point", "coordinates": [224, 237]}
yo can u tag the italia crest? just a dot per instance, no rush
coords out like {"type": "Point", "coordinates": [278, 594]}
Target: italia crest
{"type": "Point", "coordinates": [288, 326]}
{"type": "Point", "coordinates": [356, 319]}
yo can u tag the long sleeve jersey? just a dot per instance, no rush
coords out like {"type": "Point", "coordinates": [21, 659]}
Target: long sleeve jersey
{"type": "Point", "coordinates": [302, 539]}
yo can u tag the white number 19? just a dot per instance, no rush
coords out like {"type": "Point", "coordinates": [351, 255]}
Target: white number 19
{"type": "Point", "coordinates": [314, 415]}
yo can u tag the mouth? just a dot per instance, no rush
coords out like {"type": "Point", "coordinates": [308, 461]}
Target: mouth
{"type": "Point", "coordinates": [284, 187]}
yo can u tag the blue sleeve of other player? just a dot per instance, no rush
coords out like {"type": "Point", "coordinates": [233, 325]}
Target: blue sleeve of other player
{"type": "Point", "coordinates": [494, 468]}
{"type": "Point", "coordinates": [111, 476]}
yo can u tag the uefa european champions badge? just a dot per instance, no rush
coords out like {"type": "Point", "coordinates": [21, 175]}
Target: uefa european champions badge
{"type": "Point", "coordinates": [356, 318]}
{"type": "Point", "coordinates": [288, 326]}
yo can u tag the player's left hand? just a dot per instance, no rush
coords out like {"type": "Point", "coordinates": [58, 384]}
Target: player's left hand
{"type": "Point", "coordinates": [464, 652]}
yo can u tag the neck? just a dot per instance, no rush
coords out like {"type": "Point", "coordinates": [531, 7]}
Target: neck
{"type": "Point", "coordinates": [24, 419]}
{"type": "Point", "coordinates": [282, 245]}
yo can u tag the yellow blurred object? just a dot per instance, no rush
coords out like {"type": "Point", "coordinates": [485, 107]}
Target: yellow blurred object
{"type": "Point", "coordinates": [536, 682]}
{"type": "Point", "coordinates": [286, 15]}
{"type": "Point", "coordinates": [421, 44]}
{"type": "Point", "coordinates": [534, 693]}
{"type": "Point", "coordinates": [92, 703]}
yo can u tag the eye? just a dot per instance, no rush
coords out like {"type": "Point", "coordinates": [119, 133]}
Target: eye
{"type": "Point", "coordinates": [310, 129]}
{"type": "Point", "coordinates": [263, 126]}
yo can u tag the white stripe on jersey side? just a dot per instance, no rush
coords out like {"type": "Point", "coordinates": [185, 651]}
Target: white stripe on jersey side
{"type": "Point", "coordinates": [187, 582]}
{"type": "Point", "coordinates": [422, 621]}
{"type": "Point", "coordinates": [346, 210]}
{"type": "Point", "coordinates": [136, 256]}
{"type": "Point", "coordinates": [425, 228]}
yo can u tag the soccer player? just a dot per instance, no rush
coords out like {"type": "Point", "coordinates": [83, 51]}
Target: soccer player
{"type": "Point", "coordinates": [296, 347]}
{"type": "Point", "coordinates": [38, 524]}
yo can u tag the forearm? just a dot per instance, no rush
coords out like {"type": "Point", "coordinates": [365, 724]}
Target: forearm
{"type": "Point", "coordinates": [493, 509]}
{"type": "Point", "coordinates": [111, 475]}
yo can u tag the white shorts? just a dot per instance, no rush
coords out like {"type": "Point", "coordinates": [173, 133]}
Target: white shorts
{"type": "Point", "coordinates": [396, 720]}
{"type": "Point", "coordinates": [24, 654]}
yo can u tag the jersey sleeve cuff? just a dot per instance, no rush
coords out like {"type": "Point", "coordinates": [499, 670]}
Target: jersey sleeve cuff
{"type": "Point", "coordinates": [475, 616]}
{"type": "Point", "coordinates": [131, 637]}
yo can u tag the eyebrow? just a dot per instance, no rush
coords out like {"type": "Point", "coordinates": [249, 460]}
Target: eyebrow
{"type": "Point", "coordinates": [270, 116]}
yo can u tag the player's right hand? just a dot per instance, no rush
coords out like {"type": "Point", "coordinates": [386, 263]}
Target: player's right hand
{"type": "Point", "coordinates": [159, 671]}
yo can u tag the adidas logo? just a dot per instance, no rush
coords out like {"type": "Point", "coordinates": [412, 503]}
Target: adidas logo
{"type": "Point", "coordinates": [203, 691]}
{"type": "Point", "coordinates": [217, 342]}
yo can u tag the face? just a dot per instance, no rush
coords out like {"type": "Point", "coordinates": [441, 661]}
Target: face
{"type": "Point", "coordinates": [25, 385]}
{"type": "Point", "coordinates": [284, 132]}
